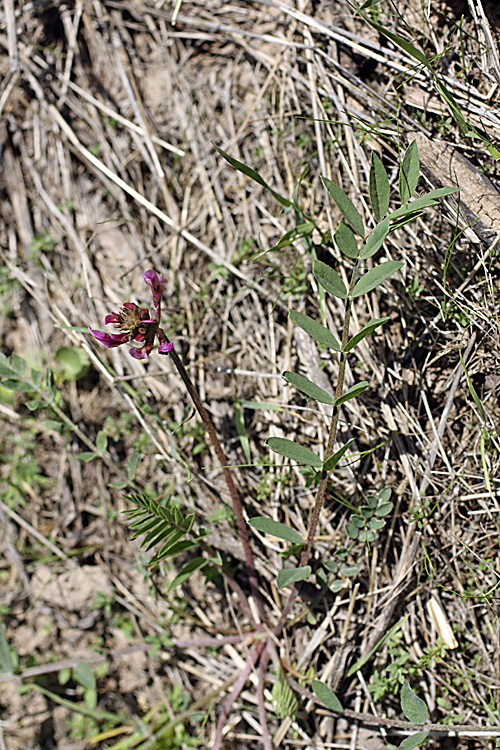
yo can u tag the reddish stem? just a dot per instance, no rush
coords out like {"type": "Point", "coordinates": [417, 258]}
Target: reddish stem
{"type": "Point", "coordinates": [237, 507]}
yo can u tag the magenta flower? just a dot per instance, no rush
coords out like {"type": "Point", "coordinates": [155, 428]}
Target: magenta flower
{"type": "Point", "coordinates": [137, 324]}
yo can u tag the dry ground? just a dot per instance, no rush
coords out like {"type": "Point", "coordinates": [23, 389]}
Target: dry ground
{"type": "Point", "coordinates": [108, 113]}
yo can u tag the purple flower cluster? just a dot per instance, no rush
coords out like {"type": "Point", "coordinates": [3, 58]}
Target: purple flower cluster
{"type": "Point", "coordinates": [137, 324]}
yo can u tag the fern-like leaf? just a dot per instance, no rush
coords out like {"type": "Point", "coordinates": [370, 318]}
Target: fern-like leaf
{"type": "Point", "coordinates": [161, 524]}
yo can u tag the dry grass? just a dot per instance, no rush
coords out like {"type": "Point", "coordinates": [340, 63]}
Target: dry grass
{"type": "Point", "coordinates": [108, 169]}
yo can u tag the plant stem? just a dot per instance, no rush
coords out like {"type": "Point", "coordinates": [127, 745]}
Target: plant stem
{"type": "Point", "coordinates": [323, 482]}
{"type": "Point", "coordinates": [237, 507]}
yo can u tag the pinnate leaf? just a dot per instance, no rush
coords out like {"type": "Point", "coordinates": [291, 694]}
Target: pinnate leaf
{"type": "Point", "coordinates": [329, 280]}
{"type": "Point", "coordinates": [314, 329]}
{"type": "Point", "coordinates": [379, 187]}
{"type": "Point", "coordinates": [375, 276]}
{"type": "Point", "coordinates": [292, 450]}
{"type": "Point", "coordinates": [345, 206]}
{"type": "Point", "coordinates": [308, 387]}
{"type": "Point", "coordinates": [275, 528]}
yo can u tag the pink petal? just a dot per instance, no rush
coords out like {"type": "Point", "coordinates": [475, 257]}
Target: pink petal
{"type": "Point", "coordinates": [141, 353]}
{"type": "Point", "coordinates": [156, 282]}
{"type": "Point", "coordinates": [111, 318]}
{"type": "Point", "coordinates": [165, 348]}
{"type": "Point", "coordinates": [109, 339]}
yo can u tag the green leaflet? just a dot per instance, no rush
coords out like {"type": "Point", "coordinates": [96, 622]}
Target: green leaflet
{"type": "Point", "coordinates": [365, 331]}
{"type": "Point", "coordinates": [329, 280]}
{"type": "Point", "coordinates": [308, 387]}
{"type": "Point", "coordinates": [315, 330]}
{"type": "Point", "coordinates": [326, 695]}
{"type": "Point", "coordinates": [83, 675]}
{"type": "Point", "coordinates": [375, 240]}
{"type": "Point", "coordinates": [413, 707]}
{"type": "Point", "coordinates": [345, 206]}
{"type": "Point", "coordinates": [239, 419]}
{"type": "Point", "coordinates": [292, 575]}
{"type": "Point", "coordinates": [249, 172]}
{"type": "Point", "coordinates": [407, 46]}
{"type": "Point", "coordinates": [187, 570]}
{"type": "Point", "coordinates": [297, 233]}
{"type": "Point", "coordinates": [423, 201]}
{"type": "Point", "coordinates": [379, 188]}
{"type": "Point", "coordinates": [331, 462]}
{"type": "Point", "coordinates": [275, 528]}
{"type": "Point", "coordinates": [409, 172]}
{"type": "Point", "coordinates": [352, 392]}
{"type": "Point", "coordinates": [346, 241]}
{"type": "Point", "coordinates": [375, 276]}
{"type": "Point", "coordinates": [414, 740]}
{"type": "Point", "coordinates": [292, 450]}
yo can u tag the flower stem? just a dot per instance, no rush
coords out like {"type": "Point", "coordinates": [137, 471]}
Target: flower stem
{"type": "Point", "coordinates": [237, 507]}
